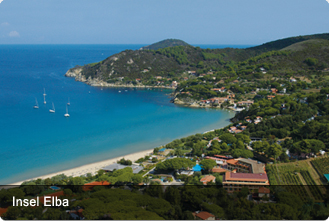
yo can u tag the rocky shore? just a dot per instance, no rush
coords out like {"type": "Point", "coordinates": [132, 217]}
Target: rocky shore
{"type": "Point", "coordinates": [96, 82]}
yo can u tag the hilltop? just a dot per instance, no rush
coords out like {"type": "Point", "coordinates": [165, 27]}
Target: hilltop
{"type": "Point", "coordinates": [198, 71]}
{"type": "Point", "coordinates": [164, 44]}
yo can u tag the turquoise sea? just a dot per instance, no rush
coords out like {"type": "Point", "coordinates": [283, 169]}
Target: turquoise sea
{"type": "Point", "coordinates": [103, 123]}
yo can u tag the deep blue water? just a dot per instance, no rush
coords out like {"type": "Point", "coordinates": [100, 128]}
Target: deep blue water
{"type": "Point", "coordinates": [103, 123]}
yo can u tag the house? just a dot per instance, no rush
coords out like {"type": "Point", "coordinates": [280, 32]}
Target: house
{"type": "Point", "coordinates": [174, 84]}
{"type": "Point", "coordinates": [243, 127]}
{"type": "Point", "coordinates": [238, 131]}
{"type": "Point", "coordinates": [274, 90]}
{"type": "Point", "coordinates": [293, 79]}
{"type": "Point", "coordinates": [116, 166]}
{"type": "Point", "coordinates": [246, 103]}
{"type": "Point", "coordinates": [90, 186]}
{"type": "Point", "coordinates": [263, 191]}
{"type": "Point", "coordinates": [158, 77]}
{"type": "Point", "coordinates": [269, 97]}
{"type": "Point", "coordinates": [203, 215]}
{"type": "Point", "coordinates": [145, 70]}
{"type": "Point", "coordinates": [236, 81]}
{"type": "Point", "coordinates": [138, 79]}
{"type": "Point", "coordinates": [208, 178]}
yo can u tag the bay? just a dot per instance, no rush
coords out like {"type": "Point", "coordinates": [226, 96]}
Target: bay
{"type": "Point", "coordinates": [103, 123]}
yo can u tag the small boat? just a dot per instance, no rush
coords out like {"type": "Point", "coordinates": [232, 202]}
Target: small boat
{"type": "Point", "coordinates": [44, 96]}
{"type": "Point", "coordinates": [67, 112]}
{"type": "Point", "coordinates": [68, 103]}
{"type": "Point", "coordinates": [52, 110]}
{"type": "Point", "coordinates": [126, 90]}
{"type": "Point", "coordinates": [36, 106]}
{"type": "Point", "coordinates": [119, 91]}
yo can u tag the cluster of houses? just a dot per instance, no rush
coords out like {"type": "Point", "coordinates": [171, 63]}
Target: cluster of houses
{"type": "Point", "coordinates": [255, 121]}
{"type": "Point", "coordinates": [237, 129]}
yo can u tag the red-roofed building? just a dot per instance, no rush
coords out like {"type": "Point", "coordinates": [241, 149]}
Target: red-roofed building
{"type": "Point", "coordinates": [263, 191]}
{"type": "Point", "coordinates": [219, 170]}
{"type": "Point", "coordinates": [203, 215]}
{"type": "Point", "coordinates": [223, 157]}
{"type": "Point", "coordinates": [208, 178]}
{"type": "Point", "coordinates": [89, 186]}
{"type": "Point", "coordinates": [235, 181]}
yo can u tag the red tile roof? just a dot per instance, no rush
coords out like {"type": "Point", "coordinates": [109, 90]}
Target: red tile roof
{"type": "Point", "coordinates": [232, 161]}
{"type": "Point", "coordinates": [246, 177]}
{"type": "Point", "coordinates": [204, 215]}
{"type": "Point", "coordinates": [89, 186]}
{"type": "Point", "coordinates": [218, 170]}
{"type": "Point", "coordinates": [207, 179]}
{"type": "Point", "coordinates": [263, 190]}
{"type": "Point", "coordinates": [3, 211]}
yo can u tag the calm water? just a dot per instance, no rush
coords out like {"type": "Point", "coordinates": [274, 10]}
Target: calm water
{"type": "Point", "coordinates": [103, 123]}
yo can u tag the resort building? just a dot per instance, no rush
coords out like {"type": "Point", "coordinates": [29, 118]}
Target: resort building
{"type": "Point", "coordinates": [116, 166]}
{"type": "Point", "coordinates": [236, 181]}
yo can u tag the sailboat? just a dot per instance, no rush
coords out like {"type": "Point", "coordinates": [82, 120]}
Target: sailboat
{"type": "Point", "coordinates": [44, 96]}
{"type": "Point", "coordinates": [68, 103]}
{"type": "Point", "coordinates": [52, 110]}
{"type": "Point", "coordinates": [36, 106]}
{"type": "Point", "coordinates": [67, 112]}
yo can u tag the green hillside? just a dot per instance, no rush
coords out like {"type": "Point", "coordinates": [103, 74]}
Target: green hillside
{"type": "Point", "coordinates": [303, 56]}
{"type": "Point", "coordinates": [165, 43]}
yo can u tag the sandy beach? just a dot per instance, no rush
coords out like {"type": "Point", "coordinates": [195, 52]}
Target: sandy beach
{"type": "Point", "coordinates": [92, 167]}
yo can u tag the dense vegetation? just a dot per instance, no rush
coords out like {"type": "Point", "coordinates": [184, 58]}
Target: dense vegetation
{"type": "Point", "coordinates": [197, 70]}
{"type": "Point", "coordinates": [164, 44]}
{"type": "Point", "coordinates": [175, 203]}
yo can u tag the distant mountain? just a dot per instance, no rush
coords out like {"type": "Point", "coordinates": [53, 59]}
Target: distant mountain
{"type": "Point", "coordinates": [164, 44]}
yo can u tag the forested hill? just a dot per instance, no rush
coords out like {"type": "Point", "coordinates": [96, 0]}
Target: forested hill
{"type": "Point", "coordinates": [282, 43]}
{"type": "Point", "coordinates": [164, 44]}
{"type": "Point", "coordinates": [183, 63]}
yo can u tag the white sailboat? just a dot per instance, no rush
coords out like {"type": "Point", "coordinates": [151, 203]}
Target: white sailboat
{"type": "Point", "coordinates": [67, 112]}
{"type": "Point", "coordinates": [52, 110]}
{"type": "Point", "coordinates": [44, 96]}
{"type": "Point", "coordinates": [68, 103]}
{"type": "Point", "coordinates": [36, 106]}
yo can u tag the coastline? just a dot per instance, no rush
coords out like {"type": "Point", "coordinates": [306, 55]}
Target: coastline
{"type": "Point", "coordinates": [94, 167]}
{"type": "Point", "coordinates": [89, 168]}
{"type": "Point", "coordinates": [96, 82]}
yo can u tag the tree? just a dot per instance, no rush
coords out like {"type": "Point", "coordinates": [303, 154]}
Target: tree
{"type": "Point", "coordinates": [240, 145]}
{"type": "Point", "coordinates": [175, 164]}
{"type": "Point", "coordinates": [208, 164]}
{"type": "Point", "coordinates": [137, 178]}
{"type": "Point", "coordinates": [228, 138]}
{"type": "Point", "coordinates": [274, 151]}
{"type": "Point", "coordinates": [12, 213]}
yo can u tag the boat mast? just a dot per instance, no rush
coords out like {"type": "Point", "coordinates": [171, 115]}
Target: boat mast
{"type": "Point", "coordinates": [44, 96]}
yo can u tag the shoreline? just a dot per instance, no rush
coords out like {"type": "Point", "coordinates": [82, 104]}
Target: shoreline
{"type": "Point", "coordinates": [94, 167]}
{"type": "Point", "coordinates": [88, 168]}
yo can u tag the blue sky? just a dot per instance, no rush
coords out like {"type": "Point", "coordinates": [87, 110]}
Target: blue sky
{"type": "Point", "coordinates": [147, 21]}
